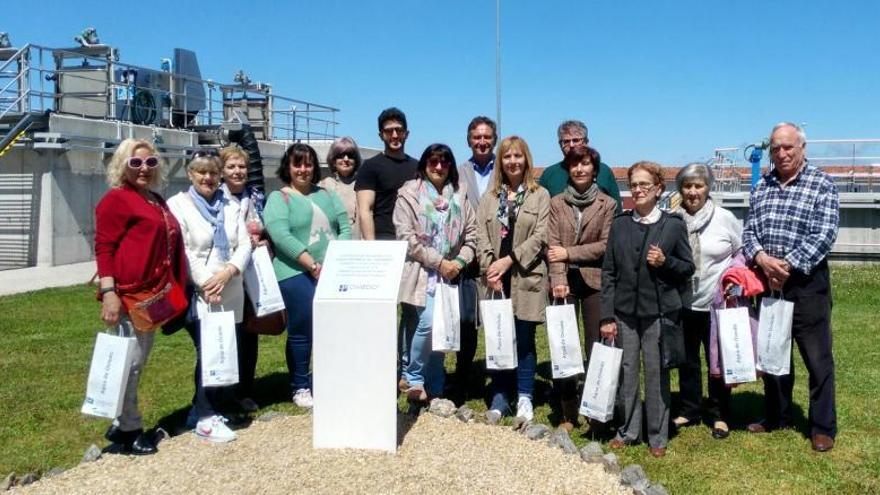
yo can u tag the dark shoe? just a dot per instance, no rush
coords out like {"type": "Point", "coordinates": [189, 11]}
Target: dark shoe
{"type": "Point", "coordinates": [822, 443]}
{"type": "Point", "coordinates": [657, 451]}
{"type": "Point", "coordinates": [719, 433]}
{"type": "Point", "coordinates": [144, 445]}
{"type": "Point", "coordinates": [126, 438]}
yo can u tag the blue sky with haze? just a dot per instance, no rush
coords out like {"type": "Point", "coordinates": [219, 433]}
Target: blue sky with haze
{"type": "Point", "coordinates": [661, 80]}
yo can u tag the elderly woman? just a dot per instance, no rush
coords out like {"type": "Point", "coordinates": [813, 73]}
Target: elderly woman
{"type": "Point", "coordinates": [433, 216]}
{"type": "Point", "coordinates": [715, 235]}
{"type": "Point", "coordinates": [646, 267]}
{"type": "Point", "coordinates": [218, 249]}
{"type": "Point", "coordinates": [343, 159]}
{"type": "Point", "coordinates": [511, 236]}
{"type": "Point", "coordinates": [580, 218]}
{"type": "Point", "coordinates": [301, 220]}
{"type": "Point", "coordinates": [250, 202]}
{"type": "Point", "coordinates": [138, 248]}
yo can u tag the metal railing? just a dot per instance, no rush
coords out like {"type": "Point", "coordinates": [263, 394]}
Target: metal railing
{"type": "Point", "coordinates": [853, 164]}
{"type": "Point", "coordinates": [78, 82]}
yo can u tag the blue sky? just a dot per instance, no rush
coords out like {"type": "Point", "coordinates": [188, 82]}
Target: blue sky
{"type": "Point", "coordinates": [661, 80]}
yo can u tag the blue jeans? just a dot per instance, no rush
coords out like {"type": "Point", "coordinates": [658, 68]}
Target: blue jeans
{"type": "Point", "coordinates": [424, 366]}
{"type": "Point", "coordinates": [298, 293]}
{"type": "Point", "coordinates": [503, 380]}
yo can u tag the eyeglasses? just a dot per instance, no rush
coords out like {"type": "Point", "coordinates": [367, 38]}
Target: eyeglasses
{"type": "Point", "coordinates": [206, 153]}
{"type": "Point", "coordinates": [571, 142]}
{"type": "Point", "coordinates": [438, 162]}
{"type": "Point", "coordinates": [644, 186]}
{"type": "Point", "coordinates": [137, 162]}
{"type": "Point", "coordinates": [345, 154]}
{"type": "Point", "coordinates": [389, 131]}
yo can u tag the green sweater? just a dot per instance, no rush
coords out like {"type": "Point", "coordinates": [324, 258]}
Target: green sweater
{"type": "Point", "coordinates": [290, 222]}
{"type": "Point", "coordinates": [554, 178]}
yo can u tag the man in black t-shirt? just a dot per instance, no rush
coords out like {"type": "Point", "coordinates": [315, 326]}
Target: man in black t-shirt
{"type": "Point", "coordinates": [379, 178]}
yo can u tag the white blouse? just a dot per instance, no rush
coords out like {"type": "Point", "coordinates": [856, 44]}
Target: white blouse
{"type": "Point", "coordinates": [204, 261]}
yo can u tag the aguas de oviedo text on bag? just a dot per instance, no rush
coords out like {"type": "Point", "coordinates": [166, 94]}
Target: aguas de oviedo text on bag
{"type": "Point", "coordinates": [109, 372]}
{"type": "Point", "coordinates": [446, 320]}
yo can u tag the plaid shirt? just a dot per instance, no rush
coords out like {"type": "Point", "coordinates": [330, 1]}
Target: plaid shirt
{"type": "Point", "coordinates": [797, 223]}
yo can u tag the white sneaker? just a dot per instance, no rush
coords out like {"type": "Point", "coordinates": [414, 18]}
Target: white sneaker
{"type": "Point", "coordinates": [214, 429]}
{"type": "Point", "coordinates": [303, 398]}
{"type": "Point", "coordinates": [524, 408]}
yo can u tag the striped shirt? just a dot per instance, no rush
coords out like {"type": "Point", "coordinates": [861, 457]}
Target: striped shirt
{"type": "Point", "coordinates": [797, 223]}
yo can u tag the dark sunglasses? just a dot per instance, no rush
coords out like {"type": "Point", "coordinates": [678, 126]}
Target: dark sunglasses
{"type": "Point", "coordinates": [137, 162]}
{"type": "Point", "coordinates": [206, 153]}
{"type": "Point", "coordinates": [346, 154]}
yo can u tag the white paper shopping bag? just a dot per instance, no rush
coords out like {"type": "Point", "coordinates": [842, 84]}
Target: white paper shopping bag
{"type": "Point", "coordinates": [566, 357]}
{"type": "Point", "coordinates": [261, 284]}
{"type": "Point", "coordinates": [446, 329]}
{"type": "Point", "coordinates": [219, 350]}
{"type": "Point", "coordinates": [108, 374]}
{"type": "Point", "coordinates": [498, 326]}
{"type": "Point", "coordinates": [774, 336]}
{"type": "Point", "coordinates": [600, 386]}
{"type": "Point", "coordinates": [735, 344]}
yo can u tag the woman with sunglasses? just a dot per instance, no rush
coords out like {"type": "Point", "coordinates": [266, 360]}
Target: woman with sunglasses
{"type": "Point", "coordinates": [301, 219]}
{"type": "Point", "coordinates": [135, 237]}
{"type": "Point", "coordinates": [219, 249]}
{"type": "Point", "coordinates": [511, 237]}
{"type": "Point", "coordinates": [344, 159]}
{"type": "Point", "coordinates": [580, 218]}
{"type": "Point", "coordinates": [433, 216]}
{"type": "Point", "coordinates": [647, 264]}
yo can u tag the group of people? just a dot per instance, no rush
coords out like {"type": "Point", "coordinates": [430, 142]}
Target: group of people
{"type": "Point", "coordinates": [491, 227]}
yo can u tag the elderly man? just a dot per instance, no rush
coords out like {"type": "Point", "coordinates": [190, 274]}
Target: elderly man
{"type": "Point", "coordinates": [573, 133]}
{"type": "Point", "coordinates": [792, 224]}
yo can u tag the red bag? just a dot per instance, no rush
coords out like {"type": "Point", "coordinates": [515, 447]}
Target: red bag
{"type": "Point", "coordinates": [149, 305]}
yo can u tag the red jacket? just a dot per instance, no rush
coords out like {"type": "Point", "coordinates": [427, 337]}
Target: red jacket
{"type": "Point", "coordinates": [131, 242]}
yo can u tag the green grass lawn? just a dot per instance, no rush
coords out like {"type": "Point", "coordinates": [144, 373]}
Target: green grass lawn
{"type": "Point", "coordinates": [46, 340]}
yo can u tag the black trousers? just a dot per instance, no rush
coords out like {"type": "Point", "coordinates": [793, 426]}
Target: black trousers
{"type": "Point", "coordinates": [468, 299]}
{"type": "Point", "coordinates": [208, 401]}
{"type": "Point", "coordinates": [695, 325]}
{"type": "Point", "coordinates": [811, 330]}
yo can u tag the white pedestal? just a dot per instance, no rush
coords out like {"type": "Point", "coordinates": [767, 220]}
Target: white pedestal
{"type": "Point", "coordinates": [355, 346]}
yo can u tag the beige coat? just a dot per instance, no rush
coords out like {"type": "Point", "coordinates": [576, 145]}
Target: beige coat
{"type": "Point", "coordinates": [528, 287]}
{"type": "Point", "coordinates": [585, 243]}
{"type": "Point", "coordinates": [419, 257]}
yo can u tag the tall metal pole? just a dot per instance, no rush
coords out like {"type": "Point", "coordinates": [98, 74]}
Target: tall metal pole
{"type": "Point", "coordinates": [498, 63]}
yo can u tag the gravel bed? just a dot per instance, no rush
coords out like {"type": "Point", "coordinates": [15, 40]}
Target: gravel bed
{"type": "Point", "coordinates": [437, 455]}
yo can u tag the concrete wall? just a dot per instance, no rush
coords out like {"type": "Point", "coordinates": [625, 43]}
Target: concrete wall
{"type": "Point", "coordinates": [56, 185]}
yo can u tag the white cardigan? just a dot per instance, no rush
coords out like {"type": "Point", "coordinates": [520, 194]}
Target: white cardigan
{"type": "Point", "coordinates": [198, 239]}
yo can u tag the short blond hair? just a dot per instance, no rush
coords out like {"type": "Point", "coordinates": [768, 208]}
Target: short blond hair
{"type": "Point", "coordinates": [119, 162]}
{"type": "Point", "coordinates": [234, 151]}
{"type": "Point", "coordinates": [504, 146]}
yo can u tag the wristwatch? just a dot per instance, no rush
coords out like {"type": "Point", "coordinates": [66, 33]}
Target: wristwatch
{"type": "Point", "coordinates": [105, 290]}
